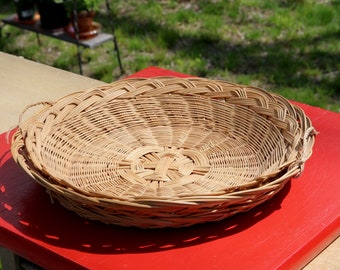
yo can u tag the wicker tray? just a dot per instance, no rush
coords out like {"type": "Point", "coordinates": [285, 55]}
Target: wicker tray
{"type": "Point", "coordinates": [164, 152]}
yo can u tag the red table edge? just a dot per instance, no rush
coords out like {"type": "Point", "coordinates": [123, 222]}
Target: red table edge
{"type": "Point", "coordinates": [33, 252]}
{"type": "Point", "coordinates": [154, 71]}
{"type": "Point", "coordinates": [314, 247]}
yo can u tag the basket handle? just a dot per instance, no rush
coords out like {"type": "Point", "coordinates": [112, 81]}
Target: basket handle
{"type": "Point", "coordinates": [305, 151]}
{"type": "Point", "coordinates": [48, 103]}
{"type": "Point", "coordinates": [22, 114]}
{"type": "Point", "coordinates": [44, 103]}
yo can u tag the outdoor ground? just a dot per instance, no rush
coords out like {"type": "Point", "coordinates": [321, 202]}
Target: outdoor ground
{"type": "Point", "coordinates": [287, 46]}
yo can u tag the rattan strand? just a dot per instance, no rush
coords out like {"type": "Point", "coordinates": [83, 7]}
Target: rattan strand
{"type": "Point", "coordinates": [164, 152]}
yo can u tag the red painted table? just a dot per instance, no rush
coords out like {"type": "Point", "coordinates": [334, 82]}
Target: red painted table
{"type": "Point", "coordinates": [285, 232]}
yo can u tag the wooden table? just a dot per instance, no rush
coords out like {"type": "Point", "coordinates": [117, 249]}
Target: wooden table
{"type": "Point", "coordinates": [286, 232]}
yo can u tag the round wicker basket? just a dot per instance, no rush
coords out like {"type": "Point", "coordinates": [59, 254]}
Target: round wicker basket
{"type": "Point", "coordinates": [164, 152]}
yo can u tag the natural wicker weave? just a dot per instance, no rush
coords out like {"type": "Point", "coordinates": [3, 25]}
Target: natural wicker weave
{"type": "Point", "coordinates": [164, 152]}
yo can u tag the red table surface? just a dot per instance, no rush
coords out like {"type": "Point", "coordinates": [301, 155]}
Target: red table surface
{"type": "Point", "coordinates": [284, 232]}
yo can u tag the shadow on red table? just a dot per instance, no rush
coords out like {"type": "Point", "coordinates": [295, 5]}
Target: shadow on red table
{"type": "Point", "coordinates": [26, 207]}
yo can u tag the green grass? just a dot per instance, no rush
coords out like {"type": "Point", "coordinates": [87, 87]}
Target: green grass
{"type": "Point", "coordinates": [287, 46]}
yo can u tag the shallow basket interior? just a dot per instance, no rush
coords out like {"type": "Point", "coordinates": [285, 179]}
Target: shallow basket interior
{"type": "Point", "coordinates": [166, 146]}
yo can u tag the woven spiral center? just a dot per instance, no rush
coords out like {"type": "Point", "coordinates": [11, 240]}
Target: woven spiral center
{"type": "Point", "coordinates": [153, 163]}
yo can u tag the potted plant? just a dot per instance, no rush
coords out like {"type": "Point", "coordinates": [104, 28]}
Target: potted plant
{"type": "Point", "coordinates": [85, 12]}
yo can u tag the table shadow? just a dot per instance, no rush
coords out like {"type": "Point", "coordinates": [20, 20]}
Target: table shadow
{"type": "Point", "coordinates": [26, 206]}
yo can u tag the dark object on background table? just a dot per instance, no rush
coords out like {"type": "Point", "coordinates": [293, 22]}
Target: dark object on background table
{"type": "Point", "coordinates": [25, 9]}
{"type": "Point", "coordinates": [52, 15]}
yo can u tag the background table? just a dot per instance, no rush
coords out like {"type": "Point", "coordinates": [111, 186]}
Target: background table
{"type": "Point", "coordinates": [61, 34]}
{"type": "Point", "coordinates": [285, 232]}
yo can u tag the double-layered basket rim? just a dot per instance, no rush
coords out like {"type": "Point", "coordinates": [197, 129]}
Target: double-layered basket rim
{"type": "Point", "coordinates": [164, 151]}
